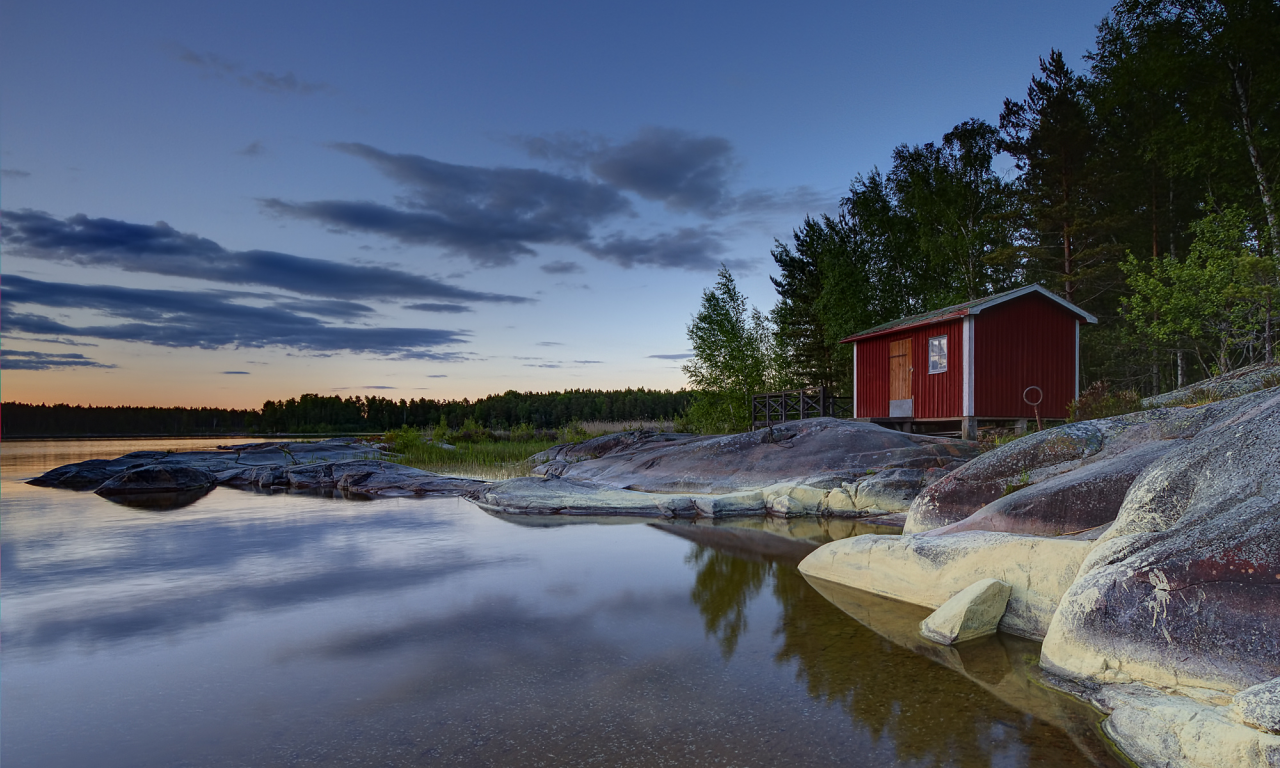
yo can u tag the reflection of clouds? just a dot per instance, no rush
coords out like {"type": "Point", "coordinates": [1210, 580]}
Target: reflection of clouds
{"type": "Point", "coordinates": [139, 577]}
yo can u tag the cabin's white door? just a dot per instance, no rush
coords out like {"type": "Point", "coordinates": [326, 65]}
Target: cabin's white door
{"type": "Point", "coordinates": [900, 402]}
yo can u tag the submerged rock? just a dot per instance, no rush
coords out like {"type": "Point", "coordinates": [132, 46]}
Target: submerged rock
{"type": "Point", "coordinates": [974, 611]}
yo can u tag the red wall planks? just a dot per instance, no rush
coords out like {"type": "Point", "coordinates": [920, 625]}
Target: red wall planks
{"type": "Point", "coordinates": [936, 395]}
{"type": "Point", "coordinates": [1023, 342]}
{"type": "Point", "coordinates": [873, 378]}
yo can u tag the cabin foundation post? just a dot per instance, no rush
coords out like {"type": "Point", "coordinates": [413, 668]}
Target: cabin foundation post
{"type": "Point", "coordinates": [1020, 427]}
{"type": "Point", "coordinates": [968, 428]}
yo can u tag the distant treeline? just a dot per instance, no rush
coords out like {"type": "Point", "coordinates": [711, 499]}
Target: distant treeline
{"type": "Point", "coordinates": [25, 419]}
{"type": "Point", "coordinates": [313, 413]}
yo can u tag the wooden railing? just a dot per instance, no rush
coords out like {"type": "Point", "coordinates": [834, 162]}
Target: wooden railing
{"type": "Point", "coordinates": [772, 408]}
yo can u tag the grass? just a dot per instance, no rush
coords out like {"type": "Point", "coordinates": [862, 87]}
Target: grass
{"type": "Point", "coordinates": [495, 454]}
{"type": "Point", "coordinates": [484, 461]}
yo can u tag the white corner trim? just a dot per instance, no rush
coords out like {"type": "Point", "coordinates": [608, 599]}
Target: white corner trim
{"type": "Point", "coordinates": [966, 371]}
{"type": "Point", "coordinates": [855, 375]}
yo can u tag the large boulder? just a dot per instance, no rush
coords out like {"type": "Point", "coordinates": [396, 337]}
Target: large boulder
{"type": "Point", "coordinates": [1065, 479]}
{"type": "Point", "coordinates": [973, 612]}
{"type": "Point", "coordinates": [1184, 589]}
{"type": "Point", "coordinates": [88, 475]}
{"type": "Point", "coordinates": [157, 478]}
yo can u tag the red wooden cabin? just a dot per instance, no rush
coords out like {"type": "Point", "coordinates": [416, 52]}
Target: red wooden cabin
{"type": "Point", "coordinates": [969, 363]}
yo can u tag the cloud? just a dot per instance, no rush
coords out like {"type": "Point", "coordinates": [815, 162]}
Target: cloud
{"type": "Point", "coordinates": [235, 373]}
{"type": "Point", "coordinates": [550, 344]}
{"type": "Point", "coordinates": [684, 171]}
{"type": "Point", "coordinates": [254, 149]}
{"type": "Point", "coordinates": [268, 82]}
{"type": "Point", "coordinates": [14, 173]}
{"type": "Point", "coordinates": [27, 360]}
{"type": "Point", "coordinates": [490, 215]}
{"type": "Point", "coordinates": [377, 386]}
{"type": "Point", "coordinates": [206, 320]}
{"type": "Point", "coordinates": [561, 268]}
{"type": "Point", "coordinates": [430, 307]}
{"type": "Point", "coordinates": [676, 356]}
{"type": "Point", "coordinates": [437, 376]}
{"type": "Point", "coordinates": [493, 216]}
{"type": "Point", "coordinates": [589, 362]}
{"type": "Point", "coordinates": [160, 249]}
{"type": "Point", "coordinates": [692, 248]}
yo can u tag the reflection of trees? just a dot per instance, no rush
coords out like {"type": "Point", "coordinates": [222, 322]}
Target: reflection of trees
{"type": "Point", "coordinates": [722, 588]}
{"type": "Point", "coordinates": [931, 713]}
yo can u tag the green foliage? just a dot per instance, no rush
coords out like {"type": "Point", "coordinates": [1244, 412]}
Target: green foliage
{"type": "Point", "coordinates": [1217, 297]}
{"type": "Point", "coordinates": [1100, 401]}
{"type": "Point", "coordinates": [733, 358]}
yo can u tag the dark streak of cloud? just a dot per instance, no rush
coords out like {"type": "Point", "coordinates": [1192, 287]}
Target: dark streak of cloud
{"type": "Point", "coordinates": [260, 80]}
{"type": "Point", "coordinates": [493, 216]}
{"type": "Point", "coordinates": [254, 149]}
{"type": "Point", "coordinates": [561, 268]}
{"type": "Point", "coordinates": [676, 356]}
{"type": "Point", "coordinates": [160, 249]}
{"type": "Point", "coordinates": [28, 360]}
{"type": "Point", "coordinates": [235, 373]}
{"type": "Point", "coordinates": [14, 173]}
{"type": "Point", "coordinates": [206, 320]}
{"type": "Point", "coordinates": [432, 307]}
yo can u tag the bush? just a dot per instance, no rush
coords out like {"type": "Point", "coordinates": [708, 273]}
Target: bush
{"type": "Point", "coordinates": [1099, 402]}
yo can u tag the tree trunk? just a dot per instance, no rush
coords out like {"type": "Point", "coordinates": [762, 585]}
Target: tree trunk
{"type": "Point", "coordinates": [1182, 370]}
{"type": "Point", "coordinates": [1264, 186]}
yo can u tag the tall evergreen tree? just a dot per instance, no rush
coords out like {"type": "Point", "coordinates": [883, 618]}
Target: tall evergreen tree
{"type": "Point", "coordinates": [1053, 137]}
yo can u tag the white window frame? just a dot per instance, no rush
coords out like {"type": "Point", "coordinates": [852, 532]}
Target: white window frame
{"type": "Point", "coordinates": [943, 339]}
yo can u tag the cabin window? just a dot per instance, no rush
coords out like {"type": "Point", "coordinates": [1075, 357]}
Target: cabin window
{"type": "Point", "coordinates": [938, 354]}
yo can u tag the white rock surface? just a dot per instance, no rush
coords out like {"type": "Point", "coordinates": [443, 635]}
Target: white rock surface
{"type": "Point", "coordinates": [928, 571]}
{"type": "Point", "coordinates": [974, 611]}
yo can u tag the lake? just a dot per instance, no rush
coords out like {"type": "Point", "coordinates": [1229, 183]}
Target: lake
{"type": "Point", "coordinates": [279, 630]}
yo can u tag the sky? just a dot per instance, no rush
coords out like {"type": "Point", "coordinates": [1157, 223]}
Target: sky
{"type": "Point", "coordinates": [223, 203]}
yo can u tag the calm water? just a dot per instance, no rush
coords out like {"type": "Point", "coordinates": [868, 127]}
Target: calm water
{"type": "Point", "coordinates": [256, 630]}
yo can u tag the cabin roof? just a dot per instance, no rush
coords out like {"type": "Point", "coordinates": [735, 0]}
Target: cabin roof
{"type": "Point", "coordinates": [968, 308]}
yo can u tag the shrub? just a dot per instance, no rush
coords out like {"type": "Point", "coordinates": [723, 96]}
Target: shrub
{"type": "Point", "coordinates": [1098, 402]}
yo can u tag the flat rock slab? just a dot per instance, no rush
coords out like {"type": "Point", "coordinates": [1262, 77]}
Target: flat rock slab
{"type": "Point", "coordinates": [172, 479]}
{"type": "Point", "coordinates": [929, 571]}
{"type": "Point", "coordinates": [1158, 729]}
{"type": "Point", "coordinates": [797, 451]}
{"type": "Point", "coordinates": [974, 611]}
{"type": "Point", "coordinates": [827, 467]}
{"type": "Point", "coordinates": [373, 478]}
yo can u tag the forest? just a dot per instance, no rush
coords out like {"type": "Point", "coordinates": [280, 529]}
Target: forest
{"type": "Point", "coordinates": [322, 414]}
{"type": "Point", "coordinates": [1140, 187]}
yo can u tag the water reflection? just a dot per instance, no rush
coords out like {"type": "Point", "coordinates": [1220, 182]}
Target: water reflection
{"type": "Point", "coordinates": [865, 654]}
{"type": "Point", "coordinates": [159, 502]}
{"type": "Point", "coordinates": [285, 629]}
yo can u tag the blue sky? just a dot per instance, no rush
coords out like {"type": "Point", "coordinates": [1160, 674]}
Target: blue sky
{"type": "Point", "coordinates": [221, 203]}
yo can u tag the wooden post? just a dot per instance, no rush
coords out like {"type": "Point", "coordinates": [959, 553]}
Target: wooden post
{"type": "Point", "coordinates": [969, 428]}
